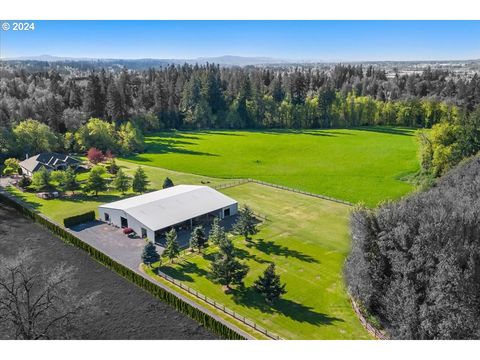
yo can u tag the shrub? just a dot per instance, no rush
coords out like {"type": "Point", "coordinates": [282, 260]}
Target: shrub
{"type": "Point", "coordinates": [95, 156]}
{"type": "Point", "coordinates": [161, 293]}
{"type": "Point", "coordinates": [79, 219]}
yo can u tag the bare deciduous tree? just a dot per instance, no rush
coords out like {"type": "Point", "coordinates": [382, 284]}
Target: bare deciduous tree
{"type": "Point", "coordinates": [40, 304]}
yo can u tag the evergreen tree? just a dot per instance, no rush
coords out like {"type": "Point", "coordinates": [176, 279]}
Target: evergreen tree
{"type": "Point", "coordinates": [95, 181]}
{"type": "Point", "coordinates": [121, 182]}
{"type": "Point", "coordinates": [167, 183]}
{"type": "Point", "coordinates": [113, 106]}
{"type": "Point", "coordinates": [246, 224]}
{"type": "Point", "coordinates": [24, 182]}
{"type": "Point", "coordinates": [41, 179]}
{"type": "Point", "coordinates": [268, 284]}
{"type": "Point", "coordinates": [93, 101]}
{"type": "Point", "coordinates": [150, 254]}
{"type": "Point", "coordinates": [70, 180]}
{"type": "Point", "coordinates": [225, 268]}
{"type": "Point", "coordinates": [172, 249]}
{"type": "Point", "coordinates": [140, 181]}
{"type": "Point", "coordinates": [198, 239]}
{"type": "Point", "coordinates": [217, 233]}
{"type": "Point", "coordinates": [113, 167]}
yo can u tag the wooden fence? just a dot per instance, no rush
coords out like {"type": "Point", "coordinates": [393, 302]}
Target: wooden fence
{"type": "Point", "coordinates": [161, 291]}
{"type": "Point", "coordinates": [244, 181]}
{"type": "Point", "coordinates": [300, 191]}
{"type": "Point", "coordinates": [221, 307]}
{"type": "Point", "coordinates": [372, 330]}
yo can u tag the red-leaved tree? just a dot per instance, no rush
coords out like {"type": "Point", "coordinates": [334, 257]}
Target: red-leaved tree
{"type": "Point", "coordinates": [95, 156]}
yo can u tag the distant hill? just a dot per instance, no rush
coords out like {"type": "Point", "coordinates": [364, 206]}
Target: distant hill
{"type": "Point", "coordinates": [226, 60]}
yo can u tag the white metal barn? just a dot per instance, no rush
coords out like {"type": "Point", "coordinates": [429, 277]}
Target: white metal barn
{"type": "Point", "coordinates": [152, 214]}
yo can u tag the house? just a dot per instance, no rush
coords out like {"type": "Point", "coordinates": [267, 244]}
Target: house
{"type": "Point", "coordinates": [182, 206]}
{"type": "Point", "coordinates": [50, 161]}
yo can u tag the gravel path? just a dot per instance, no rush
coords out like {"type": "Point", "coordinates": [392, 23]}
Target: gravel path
{"type": "Point", "coordinates": [128, 312]}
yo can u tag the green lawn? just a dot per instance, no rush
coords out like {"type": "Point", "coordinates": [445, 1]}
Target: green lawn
{"type": "Point", "coordinates": [308, 240]}
{"type": "Point", "coordinates": [58, 209]}
{"type": "Point", "coordinates": [365, 164]}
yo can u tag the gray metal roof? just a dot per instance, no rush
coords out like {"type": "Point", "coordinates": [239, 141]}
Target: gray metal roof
{"type": "Point", "coordinates": [49, 160]}
{"type": "Point", "coordinates": [163, 208]}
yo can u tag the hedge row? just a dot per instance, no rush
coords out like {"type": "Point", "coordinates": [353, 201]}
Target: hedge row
{"type": "Point", "coordinates": [79, 219]}
{"type": "Point", "coordinates": [206, 320]}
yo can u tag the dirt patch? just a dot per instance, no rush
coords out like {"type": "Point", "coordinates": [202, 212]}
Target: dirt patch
{"type": "Point", "coordinates": [127, 312]}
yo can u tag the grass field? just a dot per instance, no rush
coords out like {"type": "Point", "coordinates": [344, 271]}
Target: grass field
{"type": "Point", "coordinates": [365, 165]}
{"type": "Point", "coordinates": [308, 240]}
{"type": "Point", "coordinates": [58, 209]}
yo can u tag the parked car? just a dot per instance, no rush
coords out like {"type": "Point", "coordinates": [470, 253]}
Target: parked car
{"type": "Point", "coordinates": [127, 231]}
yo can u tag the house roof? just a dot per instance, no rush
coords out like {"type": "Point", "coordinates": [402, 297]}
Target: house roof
{"type": "Point", "coordinates": [48, 160]}
{"type": "Point", "coordinates": [163, 208]}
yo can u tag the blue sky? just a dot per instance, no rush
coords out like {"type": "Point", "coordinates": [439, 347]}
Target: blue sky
{"type": "Point", "coordinates": [312, 40]}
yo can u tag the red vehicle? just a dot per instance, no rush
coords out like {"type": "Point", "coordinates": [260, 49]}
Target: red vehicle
{"type": "Point", "coordinates": [127, 230]}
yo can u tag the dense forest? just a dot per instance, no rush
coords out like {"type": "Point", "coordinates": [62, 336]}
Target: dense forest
{"type": "Point", "coordinates": [125, 104]}
{"type": "Point", "coordinates": [210, 96]}
{"type": "Point", "coordinates": [415, 264]}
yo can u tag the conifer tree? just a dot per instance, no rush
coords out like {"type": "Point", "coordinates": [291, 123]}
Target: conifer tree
{"type": "Point", "coordinates": [246, 224]}
{"type": "Point", "coordinates": [198, 238]}
{"type": "Point", "coordinates": [150, 254]}
{"type": "Point", "coordinates": [121, 181]}
{"type": "Point", "coordinates": [226, 269]}
{"type": "Point", "coordinates": [140, 181]}
{"type": "Point", "coordinates": [268, 284]}
{"type": "Point", "coordinates": [217, 233]}
{"type": "Point", "coordinates": [167, 183]}
{"type": "Point", "coordinates": [95, 181]}
{"type": "Point", "coordinates": [172, 249]}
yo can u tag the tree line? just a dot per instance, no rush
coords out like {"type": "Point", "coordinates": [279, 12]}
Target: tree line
{"type": "Point", "coordinates": [415, 263]}
{"type": "Point", "coordinates": [74, 110]}
{"type": "Point", "coordinates": [225, 268]}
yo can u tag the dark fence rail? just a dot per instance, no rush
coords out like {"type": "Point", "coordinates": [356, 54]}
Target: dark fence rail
{"type": "Point", "coordinates": [163, 293]}
{"type": "Point", "coordinates": [244, 181]}
{"type": "Point", "coordinates": [300, 191]}
{"type": "Point", "coordinates": [230, 184]}
{"type": "Point", "coordinates": [220, 307]}
{"type": "Point", "coordinates": [371, 329]}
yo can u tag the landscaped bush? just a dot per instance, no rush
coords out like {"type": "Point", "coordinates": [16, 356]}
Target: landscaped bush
{"type": "Point", "coordinates": [179, 304]}
{"type": "Point", "coordinates": [79, 219]}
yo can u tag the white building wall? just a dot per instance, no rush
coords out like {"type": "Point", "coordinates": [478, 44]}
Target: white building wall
{"type": "Point", "coordinates": [133, 223]}
{"type": "Point", "coordinates": [233, 209]}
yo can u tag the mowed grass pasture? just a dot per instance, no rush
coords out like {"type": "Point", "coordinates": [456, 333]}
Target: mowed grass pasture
{"type": "Point", "coordinates": [357, 165]}
{"type": "Point", "coordinates": [307, 238]}
{"type": "Point", "coordinates": [58, 209]}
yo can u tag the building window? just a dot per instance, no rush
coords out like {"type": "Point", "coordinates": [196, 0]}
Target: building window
{"type": "Point", "coordinates": [226, 212]}
{"type": "Point", "coordinates": [144, 233]}
{"type": "Point", "coordinates": [107, 217]}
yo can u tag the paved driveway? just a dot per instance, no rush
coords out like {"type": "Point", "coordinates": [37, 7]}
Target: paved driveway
{"type": "Point", "coordinates": [6, 181]}
{"type": "Point", "coordinates": [112, 241]}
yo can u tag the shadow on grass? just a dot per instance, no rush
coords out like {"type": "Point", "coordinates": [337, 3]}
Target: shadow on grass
{"type": "Point", "coordinates": [165, 143]}
{"type": "Point", "coordinates": [19, 195]}
{"type": "Point", "coordinates": [102, 198]}
{"type": "Point", "coordinates": [388, 130]}
{"type": "Point", "coordinates": [181, 271]}
{"type": "Point", "coordinates": [271, 248]}
{"type": "Point", "coordinates": [241, 254]}
{"type": "Point", "coordinates": [295, 311]}
{"type": "Point", "coordinates": [320, 132]}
